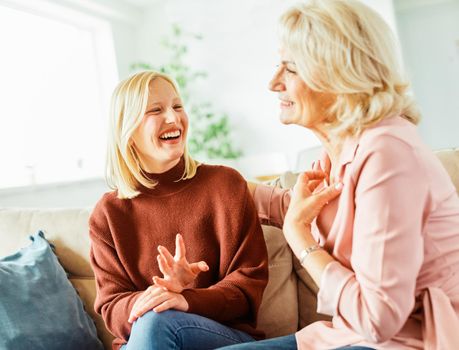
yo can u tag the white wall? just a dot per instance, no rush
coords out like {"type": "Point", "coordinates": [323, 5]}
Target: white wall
{"type": "Point", "coordinates": [239, 51]}
{"type": "Point", "coordinates": [67, 195]}
{"type": "Point", "coordinates": [123, 18]}
{"type": "Point", "coordinates": [429, 32]}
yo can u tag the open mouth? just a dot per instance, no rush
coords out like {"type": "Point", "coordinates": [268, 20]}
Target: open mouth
{"type": "Point", "coordinates": [286, 104]}
{"type": "Point", "coordinates": [171, 135]}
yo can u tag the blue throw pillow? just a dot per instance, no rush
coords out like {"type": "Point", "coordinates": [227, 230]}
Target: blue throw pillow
{"type": "Point", "coordinates": [39, 308]}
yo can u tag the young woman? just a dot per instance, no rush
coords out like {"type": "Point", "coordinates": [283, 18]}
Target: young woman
{"type": "Point", "coordinates": [160, 191]}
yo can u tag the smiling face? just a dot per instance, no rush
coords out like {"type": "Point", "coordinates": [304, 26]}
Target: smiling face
{"type": "Point", "coordinates": [299, 103]}
{"type": "Point", "coordinates": [160, 138]}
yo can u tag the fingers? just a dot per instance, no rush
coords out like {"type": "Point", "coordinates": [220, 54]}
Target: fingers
{"type": "Point", "coordinates": [308, 181]}
{"type": "Point", "coordinates": [164, 284]}
{"type": "Point", "coordinates": [199, 267]}
{"type": "Point", "coordinates": [164, 267]}
{"type": "Point", "coordinates": [180, 250]}
{"type": "Point", "coordinates": [141, 304]}
{"type": "Point", "coordinates": [175, 301]}
{"type": "Point", "coordinates": [169, 259]}
{"type": "Point", "coordinates": [166, 305]}
{"type": "Point", "coordinates": [316, 165]}
{"type": "Point", "coordinates": [314, 175]}
{"type": "Point", "coordinates": [329, 193]}
{"type": "Point", "coordinates": [312, 185]}
{"type": "Point", "coordinates": [148, 304]}
{"type": "Point", "coordinates": [157, 300]}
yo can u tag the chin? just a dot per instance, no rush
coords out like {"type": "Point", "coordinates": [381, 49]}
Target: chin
{"type": "Point", "coordinates": [287, 119]}
{"type": "Point", "coordinates": [175, 155]}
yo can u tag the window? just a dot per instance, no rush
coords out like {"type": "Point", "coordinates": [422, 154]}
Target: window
{"type": "Point", "coordinates": [57, 71]}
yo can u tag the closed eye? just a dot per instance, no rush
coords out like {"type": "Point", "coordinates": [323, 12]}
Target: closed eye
{"type": "Point", "coordinates": [178, 107]}
{"type": "Point", "coordinates": [154, 111]}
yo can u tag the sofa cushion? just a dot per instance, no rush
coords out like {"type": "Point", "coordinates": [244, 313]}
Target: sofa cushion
{"type": "Point", "coordinates": [278, 314]}
{"type": "Point", "coordinates": [39, 308]}
{"type": "Point", "coordinates": [67, 229]}
{"type": "Point", "coordinates": [450, 160]}
{"type": "Point", "coordinates": [86, 288]}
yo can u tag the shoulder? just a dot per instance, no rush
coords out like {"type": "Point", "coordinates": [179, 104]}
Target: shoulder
{"type": "Point", "coordinates": [391, 149]}
{"type": "Point", "coordinates": [390, 133]}
{"type": "Point", "coordinates": [108, 205]}
{"type": "Point", "coordinates": [392, 140]}
{"type": "Point", "coordinates": [223, 176]}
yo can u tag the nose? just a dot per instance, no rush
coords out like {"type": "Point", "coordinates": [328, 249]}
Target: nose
{"type": "Point", "coordinates": [172, 117]}
{"type": "Point", "coordinates": [276, 83]}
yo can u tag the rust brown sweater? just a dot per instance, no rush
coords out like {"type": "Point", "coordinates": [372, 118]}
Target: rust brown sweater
{"type": "Point", "coordinates": [216, 216]}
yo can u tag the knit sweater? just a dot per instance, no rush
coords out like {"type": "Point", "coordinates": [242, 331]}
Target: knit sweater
{"type": "Point", "coordinates": [217, 218]}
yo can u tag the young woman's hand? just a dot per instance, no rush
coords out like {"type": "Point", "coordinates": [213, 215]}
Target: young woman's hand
{"type": "Point", "coordinates": [178, 272]}
{"type": "Point", "coordinates": [159, 300]}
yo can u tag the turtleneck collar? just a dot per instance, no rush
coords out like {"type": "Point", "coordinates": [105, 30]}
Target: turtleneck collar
{"type": "Point", "coordinates": [167, 182]}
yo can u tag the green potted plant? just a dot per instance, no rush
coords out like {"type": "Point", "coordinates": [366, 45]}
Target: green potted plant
{"type": "Point", "coordinates": [210, 132]}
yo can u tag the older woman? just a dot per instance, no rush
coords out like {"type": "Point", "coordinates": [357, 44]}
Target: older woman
{"type": "Point", "coordinates": [385, 252]}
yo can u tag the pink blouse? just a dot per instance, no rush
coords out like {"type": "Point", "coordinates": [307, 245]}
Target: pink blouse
{"type": "Point", "coordinates": [394, 233]}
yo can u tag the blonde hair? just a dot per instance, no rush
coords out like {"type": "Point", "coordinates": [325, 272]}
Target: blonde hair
{"type": "Point", "coordinates": [345, 48]}
{"type": "Point", "coordinates": [128, 105]}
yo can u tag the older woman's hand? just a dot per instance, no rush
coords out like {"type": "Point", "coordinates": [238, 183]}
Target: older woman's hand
{"type": "Point", "coordinates": [178, 272]}
{"type": "Point", "coordinates": [307, 200]}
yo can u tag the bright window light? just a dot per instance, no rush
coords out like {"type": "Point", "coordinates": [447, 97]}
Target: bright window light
{"type": "Point", "coordinates": [53, 92]}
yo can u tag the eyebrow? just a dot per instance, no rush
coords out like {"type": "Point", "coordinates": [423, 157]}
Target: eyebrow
{"type": "Point", "coordinates": [288, 62]}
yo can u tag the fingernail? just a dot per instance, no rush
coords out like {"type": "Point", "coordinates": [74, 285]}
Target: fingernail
{"type": "Point", "coordinates": [339, 185]}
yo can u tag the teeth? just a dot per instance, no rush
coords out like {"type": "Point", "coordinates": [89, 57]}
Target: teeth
{"type": "Point", "coordinates": [171, 134]}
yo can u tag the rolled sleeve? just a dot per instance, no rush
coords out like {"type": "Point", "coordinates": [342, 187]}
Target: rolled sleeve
{"type": "Point", "coordinates": [272, 204]}
{"type": "Point", "coordinates": [334, 277]}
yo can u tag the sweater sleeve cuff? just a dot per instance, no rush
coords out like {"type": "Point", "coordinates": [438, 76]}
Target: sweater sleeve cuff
{"type": "Point", "coordinates": [207, 302]}
{"type": "Point", "coordinates": [334, 278]}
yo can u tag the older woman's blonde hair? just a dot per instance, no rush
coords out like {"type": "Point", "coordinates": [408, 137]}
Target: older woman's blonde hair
{"type": "Point", "coordinates": [128, 105]}
{"type": "Point", "coordinates": [345, 48]}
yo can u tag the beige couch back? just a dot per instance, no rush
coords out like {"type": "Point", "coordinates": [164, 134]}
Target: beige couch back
{"type": "Point", "coordinates": [67, 229]}
{"type": "Point", "coordinates": [288, 302]}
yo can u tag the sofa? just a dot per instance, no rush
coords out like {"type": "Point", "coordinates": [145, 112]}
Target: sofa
{"type": "Point", "coordinates": [289, 301]}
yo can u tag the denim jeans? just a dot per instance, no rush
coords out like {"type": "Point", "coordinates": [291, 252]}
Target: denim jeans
{"type": "Point", "coordinates": [287, 342]}
{"type": "Point", "coordinates": [180, 330]}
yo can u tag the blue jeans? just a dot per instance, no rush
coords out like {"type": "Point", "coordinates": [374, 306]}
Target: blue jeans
{"type": "Point", "coordinates": [287, 342]}
{"type": "Point", "coordinates": [180, 330]}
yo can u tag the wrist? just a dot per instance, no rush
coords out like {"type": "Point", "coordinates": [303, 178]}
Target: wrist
{"type": "Point", "coordinates": [304, 254]}
{"type": "Point", "coordinates": [184, 304]}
